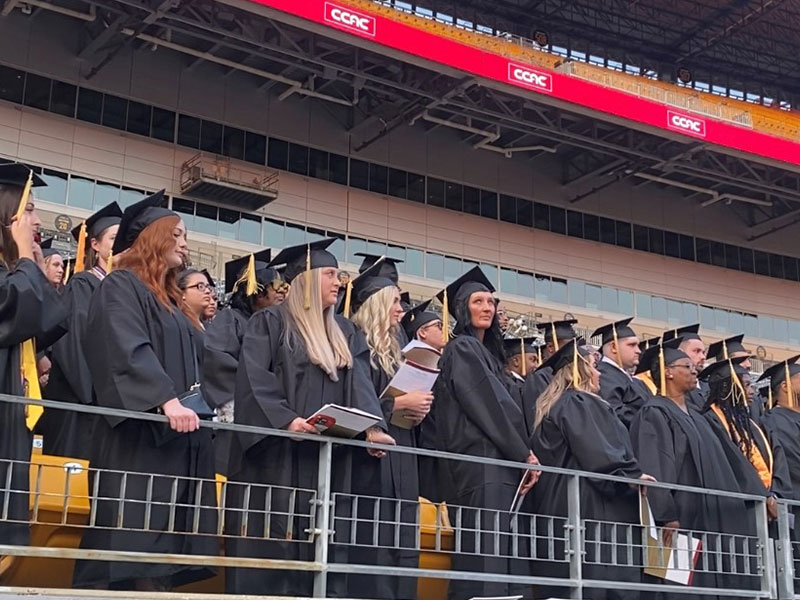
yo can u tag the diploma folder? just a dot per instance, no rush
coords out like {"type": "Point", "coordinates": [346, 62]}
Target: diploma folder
{"type": "Point", "coordinates": [417, 373]}
{"type": "Point", "coordinates": [342, 421]}
{"type": "Point", "coordinates": [674, 563]}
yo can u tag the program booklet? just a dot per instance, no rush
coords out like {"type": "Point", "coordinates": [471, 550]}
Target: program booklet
{"type": "Point", "coordinates": [673, 563]}
{"type": "Point", "coordinates": [342, 421]}
{"type": "Point", "coordinates": [417, 373]}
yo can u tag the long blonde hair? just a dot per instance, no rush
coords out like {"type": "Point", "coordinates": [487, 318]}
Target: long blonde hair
{"type": "Point", "coordinates": [374, 319]}
{"type": "Point", "coordinates": [561, 382]}
{"type": "Point", "coordinates": [325, 343]}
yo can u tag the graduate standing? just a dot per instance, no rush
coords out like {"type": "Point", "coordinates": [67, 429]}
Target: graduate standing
{"type": "Point", "coordinates": [295, 358]}
{"type": "Point", "coordinates": [475, 414]}
{"type": "Point", "coordinates": [376, 311]}
{"type": "Point", "coordinates": [53, 264]}
{"type": "Point", "coordinates": [577, 429]}
{"type": "Point", "coordinates": [556, 334]}
{"type": "Point", "coordinates": [195, 294]}
{"type": "Point", "coordinates": [424, 325]}
{"type": "Point", "coordinates": [388, 270]}
{"type": "Point", "coordinates": [692, 345]}
{"type": "Point", "coordinates": [733, 347]}
{"type": "Point", "coordinates": [29, 306]}
{"type": "Point", "coordinates": [143, 357]}
{"type": "Point", "coordinates": [521, 362]}
{"type": "Point", "coordinates": [69, 433]}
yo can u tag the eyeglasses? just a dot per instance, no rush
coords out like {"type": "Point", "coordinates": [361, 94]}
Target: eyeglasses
{"type": "Point", "coordinates": [437, 324]}
{"type": "Point", "coordinates": [201, 287]}
{"type": "Point", "coordinates": [691, 368]}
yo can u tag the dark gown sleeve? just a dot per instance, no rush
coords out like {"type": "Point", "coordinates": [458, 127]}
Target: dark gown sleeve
{"type": "Point", "coordinates": [653, 445]}
{"type": "Point", "coordinates": [222, 344]}
{"type": "Point", "coordinates": [68, 351]}
{"type": "Point", "coordinates": [483, 397]}
{"type": "Point", "coordinates": [29, 304]}
{"type": "Point", "coordinates": [125, 369]}
{"type": "Point", "coordinates": [781, 476]}
{"type": "Point", "coordinates": [746, 475]}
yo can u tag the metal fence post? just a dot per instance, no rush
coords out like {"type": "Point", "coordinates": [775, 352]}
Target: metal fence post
{"type": "Point", "coordinates": [764, 550]}
{"type": "Point", "coordinates": [784, 561]}
{"type": "Point", "coordinates": [323, 519]}
{"type": "Point", "coordinates": [575, 535]}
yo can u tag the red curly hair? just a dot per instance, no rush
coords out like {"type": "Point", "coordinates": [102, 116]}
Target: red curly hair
{"type": "Point", "coordinates": [146, 259]}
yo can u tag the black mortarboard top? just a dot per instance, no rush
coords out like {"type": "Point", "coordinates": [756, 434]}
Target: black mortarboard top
{"type": "Point", "coordinates": [615, 331]}
{"type": "Point", "coordinates": [388, 265]}
{"type": "Point", "coordinates": [565, 355]}
{"type": "Point", "coordinates": [405, 301]}
{"type": "Point", "coordinates": [513, 346]}
{"type": "Point", "coordinates": [234, 269]}
{"type": "Point", "coordinates": [47, 248]}
{"type": "Point", "coordinates": [209, 278]}
{"type": "Point", "coordinates": [650, 356]}
{"type": "Point", "coordinates": [722, 369]}
{"type": "Point", "coordinates": [470, 282]}
{"type": "Point", "coordinates": [110, 214]}
{"type": "Point", "coordinates": [369, 282]}
{"type": "Point", "coordinates": [777, 372]}
{"type": "Point", "coordinates": [646, 344]}
{"type": "Point", "coordinates": [563, 330]}
{"type": "Point", "coordinates": [417, 317]}
{"type": "Point", "coordinates": [295, 258]}
{"type": "Point", "coordinates": [725, 348]}
{"type": "Point", "coordinates": [686, 333]}
{"type": "Point", "coordinates": [17, 174]}
{"type": "Point", "coordinates": [137, 217]}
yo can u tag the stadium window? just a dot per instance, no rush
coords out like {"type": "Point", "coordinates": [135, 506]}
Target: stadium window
{"type": "Point", "coordinates": [318, 164]}
{"type": "Point", "coordinates": [188, 131]}
{"type": "Point", "coordinates": [508, 280]}
{"type": "Point", "coordinates": [558, 290]}
{"type": "Point", "coordinates": [62, 99]}
{"type": "Point", "coordinates": [233, 142]}
{"type": "Point", "coordinates": [434, 266]}
{"type": "Point", "coordinates": [454, 196]}
{"type": "Point", "coordinates": [524, 212]}
{"type": "Point", "coordinates": [250, 228]}
{"type": "Point", "coordinates": [37, 92]}
{"type": "Point", "coordinates": [206, 218]}
{"type": "Point", "coordinates": [574, 54]}
{"type": "Point", "coordinates": [138, 121]}
{"type": "Point", "coordinates": [56, 189]}
{"type": "Point", "coordinates": [624, 238]}
{"type": "Point", "coordinates": [591, 227]}
{"type": "Point", "coordinates": [608, 300]}
{"type": "Point", "coordinates": [674, 311]}
{"type": "Point", "coordinates": [633, 70]}
{"type": "Point", "coordinates": [624, 302]}
{"type": "Point", "coordinates": [359, 174]}
{"type": "Point", "coordinates": [398, 183]}
{"type": "Point", "coordinates": [607, 231]}
{"type": "Point", "coordinates": [761, 263]}
{"type": "Point", "coordinates": [703, 248]}
{"type": "Point", "coordinates": [338, 247]}
{"type": "Point", "coordinates": [255, 148]}
{"type": "Point", "coordinates": [780, 329]}
{"type": "Point", "coordinates": [721, 319]}
{"type": "Point", "coordinates": [415, 262]}
{"type": "Point", "coordinates": [508, 208]}
{"type": "Point", "coordinates": [115, 112]}
{"type": "Point", "coordinates": [656, 240]}
{"type": "Point", "coordinates": [593, 296]}
{"type": "Point", "coordinates": [163, 126]}
{"type": "Point", "coordinates": [776, 266]}
{"type": "Point", "coordinates": [672, 244]}
{"type": "Point", "coordinates": [641, 238]}
{"type": "Point", "coordinates": [750, 326]}
{"type": "Point", "coordinates": [453, 269]}
{"type": "Point", "coordinates": [90, 106]}
{"type": "Point", "coordinates": [228, 223]}
{"type": "Point", "coordinates": [399, 253]}
{"type": "Point", "coordinates": [528, 288]}
{"type": "Point", "coordinates": [659, 306]}
{"type": "Point", "coordinates": [735, 322]}
{"type": "Point", "coordinates": [416, 188]}
{"type": "Point", "coordinates": [689, 310]}
{"type": "Point", "coordinates": [298, 159]}
{"type": "Point", "coordinates": [314, 234]}
{"type": "Point", "coordinates": [484, 29]}
{"type": "Point", "coordinates": [183, 206]}
{"type": "Point", "coordinates": [105, 193]}
{"type": "Point", "coordinates": [644, 306]}
{"type": "Point", "coordinates": [277, 154]}
{"type": "Point", "coordinates": [718, 254]}
{"type": "Point", "coordinates": [746, 260]}
{"type": "Point", "coordinates": [472, 200]}
{"type": "Point", "coordinates": [211, 137]}
{"type": "Point", "coordinates": [354, 246]}
{"type": "Point", "coordinates": [435, 192]}
{"type": "Point", "coordinates": [731, 257]}
{"type": "Point", "coordinates": [489, 204]}
{"type": "Point", "coordinates": [338, 168]}
{"type": "Point", "coordinates": [706, 317]}
{"type": "Point", "coordinates": [687, 247]}
{"type": "Point", "coordinates": [576, 292]}
{"type": "Point", "coordinates": [765, 327]}
{"type": "Point", "coordinates": [574, 224]}
{"type": "Point", "coordinates": [295, 234]}
{"type": "Point", "coordinates": [491, 274]}
{"type": "Point", "coordinates": [12, 84]}
{"type": "Point", "coordinates": [128, 196]}
{"type": "Point", "coordinates": [81, 192]}
{"type": "Point", "coordinates": [378, 178]}
{"type": "Point", "coordinates": [273, 233]}
{"type": "Point", "coordinates": [596, 60]}
{"type": "Point", "coordinates": [541, 216]}
{"type": "Point", "coordinates": [558, 220]}
{"type": "Point", "coordinates": [794, 332]}
{"type": "Point", "coordinates": [790, 268]}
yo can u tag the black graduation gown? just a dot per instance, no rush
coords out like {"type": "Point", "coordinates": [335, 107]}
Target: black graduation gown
{"type": "Point", "coordinates": [623, 393]}
{"type": "Point", "coordinates": [69, 433]}
{"type": "Point", "coordinates": [474, 414]}
{"type": "Point", "coordinates": [535, 384]}
{"type": "Point", "coordinates": [698, 397]}
{"type": "Point", "coordinates": [516, 388]}
{"type": "Point", "coordinates": [140, 355]}
{"type": "Point", "coordinates": [583, 432]}
{"type": "Point", "coordinates": [222, 343]}
{"type": "Point", "coordinates": [395, 476]}
{"type": "Point", "coordinates": [274, 385]}
{"type": "Point", "coordinates": [29, 306]}
{"type": "Point", "coordinates": [678, 447]}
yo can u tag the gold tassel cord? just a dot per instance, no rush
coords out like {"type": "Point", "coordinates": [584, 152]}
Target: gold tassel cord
{"type": "Point", "coordinates": [26, 193]}
{"type": "Point", "coordinates": [66, 272]}
{"type": "Point", "coordinates": [80, 255]}
{"type": "Point", "coordinates": [661, 372]}
{"type": "Point", "coordinates": [770, 399]}
{"type": "Point", "coordinates": [348, 294]}
{"type": "Point", "coordinates": [555, 337]}
{"type": "Point", "coordinates": [522, 354]}
{"type": "Point", "coordinates": [539, 354]}
{"type": "Point", "coordinates": [737, 383]}
{"type": "Point", "coordinates": [30, 382]}
{"type": "Point", "coordinates": [617, 358]}
{"type": "Point", "coordinates": [445, 318]}
{"type": "Point", "coordinates": [576, 376]}
{"type": "Point", "coordinates": [307, 295]}
{"type": "Point", "coordinates": [251, 282]}
{"type": "Point", "coordinates": [789, 391]}
{"type": "Point", "coordinates": [724, 350]}
{"type": "Point", "coordinates": [110, 262]}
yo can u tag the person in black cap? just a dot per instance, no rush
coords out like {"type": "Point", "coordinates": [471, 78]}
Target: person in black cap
{"type": "Point", "coordinates": [644, 376]}
{"type": "Point", "coordinates": [620, 347]}
{"type": "Point", "coordinates": [29, 307]}
{"type": "Point", "coordinates": [521, 361]}
{"type": "Point", "coordinates": [475, 414]}
{"type": "Point", "coordinates": [376, 311]}
{"type": "Point", "coordinates": [69, 433]}
{"type": "Point", "coordinates": [556, 334]}
{"type": "Point", "coordinates": [388, 266]}
{"type": "Point", "coordinates": [781, 423]}
{"type": "Point", "coordinates": [692, 345]}
{"type": "Point", "coordinates": [733, 347]}
{"type": "Point", "coordinates": [211, 310]}
{"type": "Point", "coordinates": [676, 444]}
{"type": "Point", "coordinates": [295, 358]}
{"type": "Point", "coordinates": [576, 429]}
{"type": "Point", "coordinates": [424, 325]}
{"type": "Point", "coordinates": [53, 263]}
{"type": "Point", "coordinates": [143, 357]}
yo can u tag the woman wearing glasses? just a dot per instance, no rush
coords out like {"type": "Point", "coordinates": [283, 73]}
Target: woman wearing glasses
{"type": "Point", "coordinates": [195, 293]}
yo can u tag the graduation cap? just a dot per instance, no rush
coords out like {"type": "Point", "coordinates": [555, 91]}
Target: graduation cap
{"type": "Point", "coordinates": [780, 372]}
{"type": "Point", "coordinates": [47, 248]}
{"type": "Point", "coordinates": [252, 270]}
{"type": "Point", "coordinates": [93, 227]}
{"type": "Point", "coordinates": [360, 289]}
{"type": "Point", "coordinates": [19, 175]}
{"type": "Point", "coordinates": [211, 283]}
{"type": "Point", "coordinates": [614, 332]}
{"type": "Point", "coordinates": [727, 347]}
{"type": "Point", "coordinates": [303, 259]}
{"type": "Point", "coordinates": [568, 356]}
{"type": "Point", "coordinates": [558, 330]}
{"type": "Point", "coordinates": [417, 317]}
{"type": "Point", "coordinates": [517, 347]}
{"type": "Point", "coordinates": [687, 332]}
{"type": "Point", "coordinates": [646, 344]}
{"type": "Point", "coordinates": [728, 369]}
{"type": "Point", "coordinates": [137, 217]}
{"type": "Point", "coordinates": [388, 265]}
{"type": "Point", "coordinates": [663, 355]}
{"type": "Point", "coordinates": [405, 301]}
{"type": "Point", "coordinates": [470, 282]}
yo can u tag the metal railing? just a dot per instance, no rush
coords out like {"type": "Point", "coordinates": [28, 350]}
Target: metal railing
{"type": "Point", "coordinates": [570, 550]}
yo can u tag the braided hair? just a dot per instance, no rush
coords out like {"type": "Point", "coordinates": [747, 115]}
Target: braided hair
{"type": "Point", "coordinates": [733, 404]}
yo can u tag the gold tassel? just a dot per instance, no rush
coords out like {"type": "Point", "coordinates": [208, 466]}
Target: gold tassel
{"type": "Point", "coordinates": [445, 319]}
{"type": "Point", "coordinates": [770, 399]}
{"type": "Point", "coordinates": [539, 354]}
{"type": "Point", "coordinates": [251, 281]}
{"type": "Point", "coordinates": [110, 262]}
{"type": "Point", "coordinates": [617, 359]}
{"type": "Point", "coordinates": [307, 296]}
{"type": "Point", "coordinates": [738, 384]}
{"type": "Point", "coordinates": [555, 337]}
{"type": "Point", "coordinates": [576, 376]}
{"type": "Point", "coordinates": [662, 367]}
{"type": "Point", "coordinates": [81, 253]}
{"type": "Point", "coordinates": [522, 353]}
{"type": "Point", "coordinates": [724, 350]}
{"type": "Point", "coordinates": [66, 272]}
{"type": "Point", "coordinates": [26, 192]}
{"type": "Point", "coordinates": [789, 391]}
{"type": "Point", "coordinates": [30, 382]}
{"type": "Point", "coordinates": [347, 296]}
